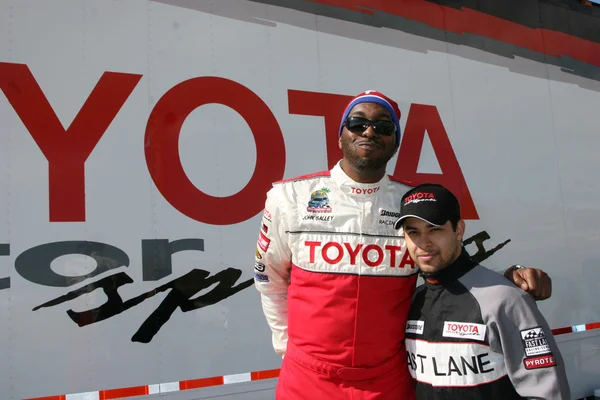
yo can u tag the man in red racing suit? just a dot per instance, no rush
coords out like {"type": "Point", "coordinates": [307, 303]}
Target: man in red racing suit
{"type": "Point", "coordinates": [335, 278]}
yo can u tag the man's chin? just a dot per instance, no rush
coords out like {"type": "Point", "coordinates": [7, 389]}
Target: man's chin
{"type": "Point", "coordinates": [365, 160]}
{"type": "Point", "coordinates": [370, 162]}
{"type": "Point", "coordinates": [430, 269]}
{"type": "Point", "coordinates": [369, 154]}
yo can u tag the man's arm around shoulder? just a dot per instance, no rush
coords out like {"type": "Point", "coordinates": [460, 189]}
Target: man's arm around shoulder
{"type": "Point", "coordinates": [534, 281]}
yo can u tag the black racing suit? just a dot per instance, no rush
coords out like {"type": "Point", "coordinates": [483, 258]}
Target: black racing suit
{"type": "Point", "coordinates": [472, 334]}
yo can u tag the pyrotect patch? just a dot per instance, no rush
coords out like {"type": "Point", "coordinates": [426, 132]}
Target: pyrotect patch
{"type": "Point", "coordinates": [537, 350]}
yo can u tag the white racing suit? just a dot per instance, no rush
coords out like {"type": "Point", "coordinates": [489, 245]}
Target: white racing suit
{"type": "Point", "coordinates": [336, 285]}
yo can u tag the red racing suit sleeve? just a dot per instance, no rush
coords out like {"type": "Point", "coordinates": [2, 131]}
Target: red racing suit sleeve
{"type": "Point", "coordinates": [273, 260]}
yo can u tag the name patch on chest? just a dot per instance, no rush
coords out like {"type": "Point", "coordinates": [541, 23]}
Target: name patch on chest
{"type": "Point", "coordinates": [415, 326]}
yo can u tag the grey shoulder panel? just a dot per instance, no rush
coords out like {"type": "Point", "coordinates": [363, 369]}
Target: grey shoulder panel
{"type": "Point", "coordinates": [490, 288]}
{"type": "Point", "coordinates": [518, 330]}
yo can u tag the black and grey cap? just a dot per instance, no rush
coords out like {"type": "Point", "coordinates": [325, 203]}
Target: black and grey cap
{"type": "Point", "coordinates": [429, 202]}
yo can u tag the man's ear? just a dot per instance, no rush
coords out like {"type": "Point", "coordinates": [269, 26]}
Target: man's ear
{"type": "Point", "coordinates": [460, 230]}
{"type": "Point", "coordinates": [340, 142]}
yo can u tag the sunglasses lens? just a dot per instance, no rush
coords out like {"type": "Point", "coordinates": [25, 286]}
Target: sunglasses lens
{"type": "Point", "coordinates": [357, 124]}
{"type": "Point", "coordinates": [385, 128]}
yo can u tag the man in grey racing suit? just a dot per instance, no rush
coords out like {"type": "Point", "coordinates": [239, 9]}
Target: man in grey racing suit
{"type": "Point", "coordinates": [470, 333]}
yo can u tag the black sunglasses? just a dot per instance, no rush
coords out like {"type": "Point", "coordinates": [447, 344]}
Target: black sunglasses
{"type": "Point", "coordinates": [359, 125]}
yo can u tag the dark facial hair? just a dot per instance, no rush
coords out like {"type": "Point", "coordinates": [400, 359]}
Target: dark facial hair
{"type": "Point", "coordinates": [364, 163]}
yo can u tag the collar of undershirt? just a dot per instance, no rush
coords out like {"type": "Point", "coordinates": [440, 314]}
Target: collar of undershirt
{"type": "Point", "coordinates": [451, 273]}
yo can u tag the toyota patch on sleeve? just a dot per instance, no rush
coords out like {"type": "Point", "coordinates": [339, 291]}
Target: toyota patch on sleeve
{"type": "Point", "coordinates": [537, 350]}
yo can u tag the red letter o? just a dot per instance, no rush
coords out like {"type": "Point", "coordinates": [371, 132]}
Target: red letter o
{"type": "Point", "coordinates": [326, 256]}
{"type": "Point", "coordinates": [365, 255]}
{"type": "Point", "coordinates": [164, 163]}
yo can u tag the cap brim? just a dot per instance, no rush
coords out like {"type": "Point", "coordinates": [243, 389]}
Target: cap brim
{"type": "Point", "coordinates": [398, 223]}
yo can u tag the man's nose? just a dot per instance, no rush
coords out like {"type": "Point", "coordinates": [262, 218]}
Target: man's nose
{"type": "Point", "coordinates": [424, 242]}
{"type": "Point", "coordinates": [369, 132]}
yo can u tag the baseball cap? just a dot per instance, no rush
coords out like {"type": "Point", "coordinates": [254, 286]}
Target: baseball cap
{"type": "Point", "coordinates": [429, 202]}
{"type": "Point", "coordinates": [373, 96]}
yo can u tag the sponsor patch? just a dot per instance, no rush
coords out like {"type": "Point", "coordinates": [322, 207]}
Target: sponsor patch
{"type": "Point", "coordinates": [365, 191]}
{"type": "Point", "coordinates": [319, 201]}
{"type": "Point", "coordinates": [419, 197]}
{"type": "Point", "coordinates": [415, 326]}
{"type": "Point", "coordinates": [263, 242]}
{"type": "Point", "coordinates": [539, 362]}
{"type": "Point", "coordinates": [464, 330]}
{"type": "Point", "coordinates": [258, 255]}
{"type": "Point", "coordinates": [386, 213]}
{"type": "Point", "coordinates": [260, 267]}
{"type": "Point", "coordinates": [267, 215]}
{"type": "Point", "coordinates": [534, 342]}
{"type": "Point", "coordinates": [265, 228]}
{"type": "Point", "coordinates": [261, 277]}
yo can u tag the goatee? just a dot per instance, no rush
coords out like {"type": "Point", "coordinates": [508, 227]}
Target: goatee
{"type": "Point", "coordinates": [364, 163]}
